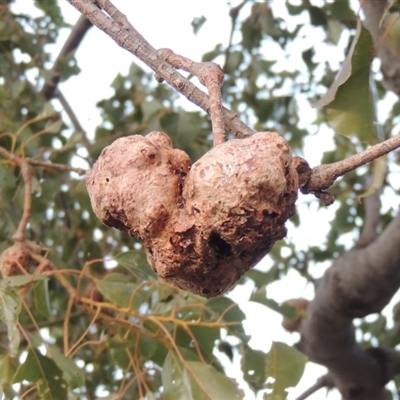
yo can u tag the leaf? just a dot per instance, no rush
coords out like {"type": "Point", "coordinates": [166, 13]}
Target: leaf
{"type": "Point", "coordinates": [286, 365]}
{"type": "Point", "coordinates": [7, 178]}
{"type": "Point", "coordinates": [43, 371]}
{"type": "Point", "coordinates": [233, 61]}
{"type": "Point", "coordinates": [21, 280]}
{"type": "Point", "coordinates": [197, 23]}
{"type": "Point", "coordinates": [119, 354]}
{"type": "Point", "coordinates": [116, 289]}
{"type": "Point", "coordinates": [349, 103]}
{"type": "Point", "coordinates": [206, 338]}
{"type": "Point", "coordinates": [254, 366]}
{"type": "Point", "coordinates": [379, 169]}
{"type": "Point", "coordinates": [148, 346]}
{"type": "Point", "coordinates": [7, 369]}
{"type": "Point", "coordinates": [213, 54]}
{"type": "Point", "coordinates": [41, 298]}
{"type": "Point", "coordinates": [135, 261]}
{"type": "Point", "coordinates": [229, 311]}
{"type": "Point", "coordinates": [286, 310]}
{"type": "Point", "coordinates": [54, 127]}
{"type": "Point", "coordinates": [72, 374]}
{"type": "Point", "coordinates": [10, 307]}
{"type": "Point", "coordinates": [195, 380]}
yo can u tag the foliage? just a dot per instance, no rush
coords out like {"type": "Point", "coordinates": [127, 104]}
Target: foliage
{"type": "Point", "coordinates": [98, 320]}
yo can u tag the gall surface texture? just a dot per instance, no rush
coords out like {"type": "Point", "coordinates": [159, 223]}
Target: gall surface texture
{"type": "Point", "coordinates": [202, 225]}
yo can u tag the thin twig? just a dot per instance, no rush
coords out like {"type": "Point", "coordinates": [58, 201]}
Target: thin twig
{"type": "Point", "coordinates": [44, 164]}
{"type": "Point", "coordinates": [323, 381]}
{"type": "Point", "coordinates": [60, 167]}
{"type": "Point", "coordinates": [71, 115]}
{"type": "Point", "coordinates": [233, 13]}
{"type": "Point", "coordinates": [26, 173]}
{"type": "Point", "coordinates": [212, 77]}
{"type": "Point", "coordinates": [372, 208]}
{"type": "Point", "coordinates": [50, 89]}
{"type": "Point", "coordinates": [323, 176]}
{"type": "Point", "coordinates": [71, 44]}
{"type": "Point", "coordinates": [117, 27]}
{"type": "Point", "coordinates": [74, 120]}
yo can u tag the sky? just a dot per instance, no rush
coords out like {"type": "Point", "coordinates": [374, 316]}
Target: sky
{"type": "Point", "coordinates": [167, 24]}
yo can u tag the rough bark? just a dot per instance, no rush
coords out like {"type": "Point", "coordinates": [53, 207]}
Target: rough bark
{"type": "Point", "coordinates": [359, 283]}
{"type": "Point", "coordinates": [74, 39]}
{"type": "Point", "coordinates": [386, 39]}
{"type": "Point", "coordinates": [116, 25]}
{"type": "Point", "coordinates": [203, 225]}
{"type": "Point", "coordinates": [362, 281]}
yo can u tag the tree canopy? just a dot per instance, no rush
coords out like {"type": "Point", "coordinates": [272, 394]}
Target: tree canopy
{"type": "Point", "coordinates": [82, 313]}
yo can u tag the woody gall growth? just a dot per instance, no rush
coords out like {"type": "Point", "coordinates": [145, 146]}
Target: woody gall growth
{"type": "Point", "coordinates": [205, 225]}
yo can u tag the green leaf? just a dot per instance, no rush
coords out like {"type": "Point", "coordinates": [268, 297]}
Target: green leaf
{"type": "Point", "coordinates": [21, 280]}
{"type": "Point", "coordinates": [195, 380]}
{"type": "Point", "coordinates": [136, 262]}
{"type": "Point", "coordinates": [254, 366]}
{"type": "Point", "coordinates": [286, 310]}
{"type": "Point", "coordinates": [197, 23]}
{"type": "Point", "coordinates": [317, 16]}
{"type": "Point", "coordinates": [41, 298]}
{"type": "Point", "coordinates": [286, 365]}
{"type": "Point", "coordinates": [116, 289]}
{"type": "Point", "coordinates": [148, 346]}
{"type": "Point", "coordinates": [349, 103]}
{"type": "Point", "coordinates": [379, 170]}
{"type": "Point", "coordinates": [229, 311]}
{"type": "Point", "coordinates": [213, 54]}
{"type": "Point", "coordinates": [7, 178]}
{"type": "Point", "coordinates": [54, 127]}
{"type": "Point", "coordinates": [233, 61]}
{"type": "Point", "coordinates": [10, 307]}
{"type": "Point", "coordinates": [7, 369]}
{"type": "Point", "coordinates": [119, 353]}
{"type": "Point", "coordinates": [206, 338]}
{"type": "Point", "coordinates": [43, 371]}
{"type": "Point", "coordinates": [72, 374]}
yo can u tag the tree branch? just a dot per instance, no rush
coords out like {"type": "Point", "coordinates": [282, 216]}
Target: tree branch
{"type": "Point", "coordinates": [233, 13]}
{"type": "Point", "coordinates": [71, 44]}
{"type": "Point", "coordinates": [320, 178]}
{"type": "Point", "coordinates": [74, 120]}
{"type": "Point", "coordinates": [372, 207]}
{"type": "Point", "coordinates": [116, 25]}
{"type": "Point", "coordinates": [323, 381]}
{"type": "Point", "coordinates": [358, 283]}
{"type": "Point", "coordinates": [212, 77]}
{"type": "Point", "coordinates": [388, 48]}
{"type": "Point", "coordinates": [26, 173]}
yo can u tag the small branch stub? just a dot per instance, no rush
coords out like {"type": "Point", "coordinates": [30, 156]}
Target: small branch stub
{"type": "Point", "coordinates": [202, 225]}
{"type": "Point", "coordinates": [212, 77]}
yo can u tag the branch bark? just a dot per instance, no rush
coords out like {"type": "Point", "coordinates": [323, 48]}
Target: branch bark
{"type": "Point", "coordinates": [323, 176]}
{"type": "Point", "coordinates": [115, 24]}
{"type": "Point", "coordinates": [324, 381]}
{"type": "Point", "coordinates": [359, 283]}
{"type": "Point", "coordinates": [364, 280]}
{"type": "Point", "coordinates": [71, 44]}
{"type": "Point", "coordinates": [387, 47]}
